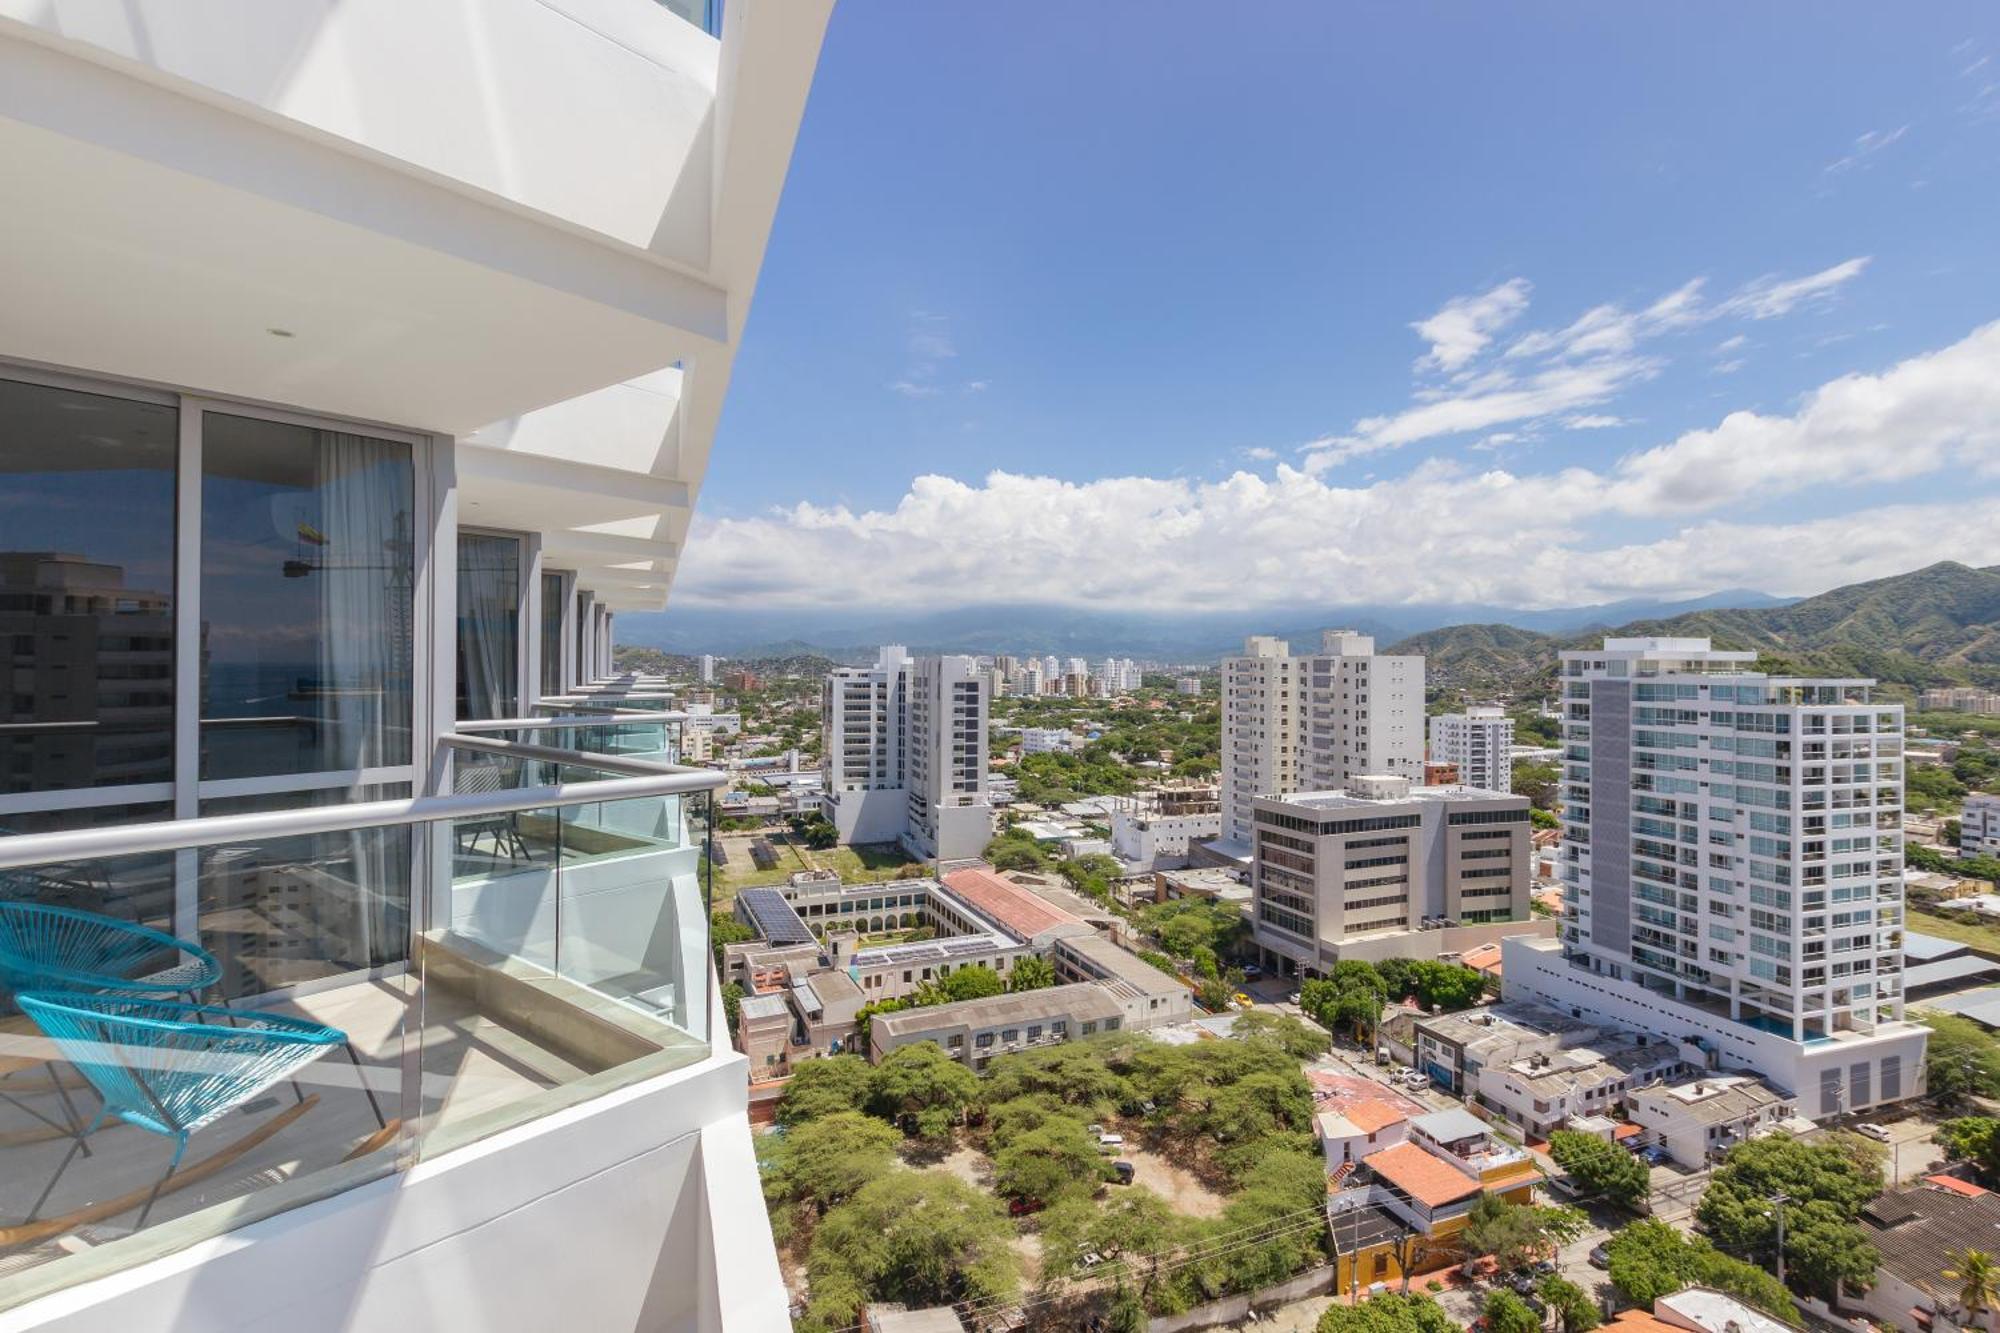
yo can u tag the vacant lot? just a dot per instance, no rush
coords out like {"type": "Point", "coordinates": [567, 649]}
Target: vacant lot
{"type": "Point", "coordinates": [1176, 1185]}
{"type": "Point", "coordinates": [1982, 937]}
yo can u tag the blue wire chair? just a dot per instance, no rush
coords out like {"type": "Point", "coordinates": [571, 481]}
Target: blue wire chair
{"type": "Point", "coordinates": [160, 1065]}
{"type": "Point", "coordinates": [43, 947]}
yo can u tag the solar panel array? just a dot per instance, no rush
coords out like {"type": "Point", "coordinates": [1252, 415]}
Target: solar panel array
{"type": "Point", "coordinates": [772, 917]}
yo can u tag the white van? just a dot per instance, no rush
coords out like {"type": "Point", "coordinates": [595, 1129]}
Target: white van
{"type": "Point", "coordinates": [1110, 1142]}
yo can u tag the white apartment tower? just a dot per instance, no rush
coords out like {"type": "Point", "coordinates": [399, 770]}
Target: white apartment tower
{"type": "Point", "coordinates": [1290, 723]}
{"type": "Point", "coordinates": [1480, 741]}
{"type": "Point", "coordinates": [904, 753]}
{"type": "Point", "coordinates": [708, 668]}
{"type": "Point", "coordinates": [1732, 869]}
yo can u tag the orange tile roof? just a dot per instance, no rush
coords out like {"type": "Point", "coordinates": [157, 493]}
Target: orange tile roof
{"type": "Point", "coordinates": [1019, 911]}
{"type": "Point", "coordinates": [1625, 1130]}
{"type": "Point", "coordinates": [1638, 1321]}
{"type": "Point", "coordinates": [1429, 1180]}
{"type": "Point", "coordinates": [1374, 1114]}
{"type": "Point", "coordinates": [1484, 958]}
{"type": "Point", "coordinates": [1952, 1183]}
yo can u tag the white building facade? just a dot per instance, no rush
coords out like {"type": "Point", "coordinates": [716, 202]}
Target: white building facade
{"type": "Point", "coordinates": [1733, 869]}
{"type": "Point", "coordinates": [359, 364]}
{"type": "Point", "coordinates": [1296, 723]}
{"type": "Point", "coordinates": [1480, 741]}
{"type": "Point", "coordinates": [1979, 825]}
{"type": "Point", "coordinates": [903, 757]}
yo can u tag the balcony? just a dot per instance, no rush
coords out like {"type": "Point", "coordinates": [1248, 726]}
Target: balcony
{"type": "Point", "coordinates": [450, 968]}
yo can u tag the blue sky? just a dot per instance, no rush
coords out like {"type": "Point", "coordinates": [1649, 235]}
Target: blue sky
{"type": "Point", "coordinates": [1137, 288]}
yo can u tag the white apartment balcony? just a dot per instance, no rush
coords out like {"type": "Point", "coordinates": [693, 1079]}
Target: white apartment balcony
{"type": "Point", "coordinates": [511, 1051]}
{"type": "Point", "coordinates": [533, 226]}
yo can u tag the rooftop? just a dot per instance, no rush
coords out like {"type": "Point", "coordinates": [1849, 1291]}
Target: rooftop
{"type": "Point", "coordinates": [1714, 1312]}
{"type": "Point", "coordinates": [1422, 1175]}
{"type": "Point", "coordinates": [1929, 948]}
{"type": "Point", "coordinates": [1451, 1126]}
{"type": "Point", "coordinates": [1715, 1101]}
{"type": "Point", "coordinates": [1083, 1000]}
{"type": "Point", "coordinates": [773, 917]}
{"type": "Point", "coordinates": [1343, 800]}
{"type": "Point", "coordinates": [1020, 912]}
{"type": "Point", "coordinates": [1123, 968]}
{"type": "Point", "coordinates": [1913, 1229]}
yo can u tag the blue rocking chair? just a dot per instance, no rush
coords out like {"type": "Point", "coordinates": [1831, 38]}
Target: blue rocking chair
{"type": "Point", "coordinates": [160, 1065]}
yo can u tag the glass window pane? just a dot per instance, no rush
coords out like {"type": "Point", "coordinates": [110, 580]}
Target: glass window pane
{"type": "Point", "coordinates": [552, 609]}
{"type": "Point", "coordinates": [307, 570]}
{"type": "Point", "coordinates": [86, 589]}
{"type": "Point", "coordinates": [489, 625]}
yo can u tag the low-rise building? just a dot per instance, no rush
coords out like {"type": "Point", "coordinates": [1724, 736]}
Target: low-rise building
{"type": "Point", "coordinates": [1149, 997]}
{"type": "Point", "coordinates": [1916, 1231]}
{"type": "Point", "coordinates": [1698, 1120]}
{"type": "Point", "coordinates": [1357, 1116]}
{"type": "Point", "coordinates": [1428, 1184]}
{"type": "Point", "coordinates": [1542, 1093]}
{"type": "Point", "coordinates": [1706, 1310]}
{"type": "Point", "coordinates": [1158, 831]}
{"type": "Point", "coordinates": [974, 1031]}
{"type": "Point", "coordinates": [1214, 883]}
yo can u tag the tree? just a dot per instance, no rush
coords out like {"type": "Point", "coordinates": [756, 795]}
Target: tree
{"type": "Point", "coordinates": [1135, 1227]}
{"type": "Point", "coordinates": [1961, 1058]}
{"type": "Point", "coordinates": [1575, 1312]}
{"type": "Point", "coordinates": [1828, 1184]}
{"type": "Point", "coordinates": [824, 1161]}
{"type": "Point", "coordinates": [1538, 780]}
{"type": "Point", "coordinates": [724, 929]}
{"type": "Point", "coordinates": [1517, 1234]}
{"type": "Point", "coordinates": [1288, 1034]}
{"type": "Point", "coordinates": [1649, 1259]}
{"type": "Point", "coordinates": [919, 1237]}
{"type": "Point", "coordinates": [917, 1078]}
{"type": "Point", "coordinates": [1975, 1139]}
{"type": "Point", "coordinates": [1388, 1313]}
{"type": "Point", "coordinates": [1015, 851]}
{"type": "Point", "coordinates": [1055, 1158]}
{"type": "Point", "coordinates": [1507, 1313]}
{"type": "Point", "coordinates": [1031, 973]}
{"type": "Point", "coordinates": [1978, 1278]}
{"type": "Point", "coordinates": [1446, 986]}
{"type": "Point", "coordinates": [732, 1005]}
{"type": "Point", "coordinates": [825, 1087]}
{"type": "Point", "coordinates": [1597, 1165]}
{"type": "Point", "coordinates": [972, 983]}
{"type": "Point", "coordinates": [1072, 1074]}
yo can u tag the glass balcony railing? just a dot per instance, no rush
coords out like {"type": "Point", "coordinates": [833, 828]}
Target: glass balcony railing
{"type": "Point", "coordinates": [207, 1021]}
{"type": "Point", "coordinates": [704, 14]}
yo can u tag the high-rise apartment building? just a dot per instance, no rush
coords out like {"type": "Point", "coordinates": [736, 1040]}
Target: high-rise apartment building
{"type": "Point", "coordinates": [1732, 869]}
{"type": "Point", "coordinates": [1353, 873]}
{"type": "Point", "coordinates": [903, 757]}
{"type": "Point", "coordinates": [359, 363]}
{"type": "Point", "coordinates": [708, 668]}
{"type": "Point", "coordinates": [1480, 742]}
{"type": "Point", "coordinates": [1979, 825]}
{"type": "Point", "coordinates": [1292, 723]}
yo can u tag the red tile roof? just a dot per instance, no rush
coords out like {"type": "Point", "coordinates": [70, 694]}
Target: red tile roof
{"type": "Point", "coordinates": [1426, 1178]}
{"type": "Point", "coordinates": [1019, 911]}
{"type": "Point", "coordinates": [1956, 1186]}
{"type": "Point", "coordinates": [1483, 958]}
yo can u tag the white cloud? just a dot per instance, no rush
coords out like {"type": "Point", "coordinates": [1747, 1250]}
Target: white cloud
{"type": "Point", "coordinates": [1866, 146]}
{"type": "Point", "coordinates": [1769, 297]}
{"type": "Point", "coordinates": [1462, 329]}
{"type": "Point", "coordinates": [927, 347]}
{"type": "Point", "coordinates": [977, 386]}
{"type": "Point", "coordinates": [1731, 344]}
{"type": "Point", "coordinates": [1260, 454]}
{"type": "Point", "coordinates": [912, 389]}
{"type": "Point", "coordinates": [1730, 367]}
{"type": "Point", "coordinates": [1296, 537]}
{"type": "Point", "coordinates": [1593, 421]}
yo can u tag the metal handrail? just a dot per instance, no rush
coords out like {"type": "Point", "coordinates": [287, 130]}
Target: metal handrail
{"type": "Point", "coordinates": [625, 718]}
{"type": "Point", "coordinates": [650, 779]}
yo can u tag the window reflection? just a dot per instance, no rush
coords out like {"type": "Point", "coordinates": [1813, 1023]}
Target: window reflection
{"type": "Point", "coordinates": [86, 589]}
{"type": "Point", "coordinates": [489, 625]}
{"type": "Point", "coordinates": [284, 911]}
{"type": "Point", "coordinates": [307, 573]}
{"type": "Point", "coordinates": [552, 610]}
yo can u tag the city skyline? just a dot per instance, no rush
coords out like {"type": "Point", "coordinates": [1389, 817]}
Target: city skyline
{"type": "Point", "coordinates": [1435, 350]}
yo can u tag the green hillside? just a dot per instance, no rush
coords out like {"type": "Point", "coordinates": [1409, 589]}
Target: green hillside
{"type": "Point", "coordinates": [1935, 626]}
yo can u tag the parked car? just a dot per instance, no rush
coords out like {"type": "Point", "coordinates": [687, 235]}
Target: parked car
{"type": "Point", "coordinates": [1251, 971]}
{"type": "Point", "coordinates": [1293, 998]}
{"type": "Point", "coordinates": [1095, 1130]}
{"type": "Point", "coordinates": [1600, 1255]}
{"type": "Point", "coordinates": [1125, 1171]}
{"type": "Point", "coordinates": [1091, 1260]}
{"type": "Point", "coordinates": [1110, 1140]}
{"type": "Point", "coordinates": [1244, 1000]}
{"type": "Point", "coordinates": [1022, 1207]}
{"type": "Point", "coordinates": [1880, 1133]}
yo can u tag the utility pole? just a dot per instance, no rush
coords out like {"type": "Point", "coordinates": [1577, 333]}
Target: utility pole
{"type": "Point", "coordinates": [1778, 1202]}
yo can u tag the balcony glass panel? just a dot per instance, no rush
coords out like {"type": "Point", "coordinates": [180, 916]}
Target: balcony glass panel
{"type": "Point", "coordinates": [322, 1006]}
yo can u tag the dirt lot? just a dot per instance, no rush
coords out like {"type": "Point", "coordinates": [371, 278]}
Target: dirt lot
{"type": "Point", "coordinates": [1188, 1196]}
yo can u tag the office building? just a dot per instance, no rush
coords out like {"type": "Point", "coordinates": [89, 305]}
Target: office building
{"type": "Point", "coordinates": [359, 363]}
{"type": "Point", "coordinates": [1732, 868]}
{"type": "Point", "coordinates": [1188, 685]}
{"type": "Point", "coordinates": [1383, 868]}
{"type": "Point", "coordinates": [904, 754]}
{"type": "Point", "coordinates": [1979, 825]}
{"type": "Point", "coordinates": [1312, 723]}
{"type": "Point", "coordinates": [1479, 742]}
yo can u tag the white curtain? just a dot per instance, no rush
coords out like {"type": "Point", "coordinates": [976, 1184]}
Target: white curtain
{"type": "Point", "coordinates": [368, 571]}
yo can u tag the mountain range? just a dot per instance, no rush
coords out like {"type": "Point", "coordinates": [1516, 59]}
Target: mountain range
{"type": "Point", "coordinates": [1939, 625]}
{"type": "Point", "coordinates": [1066, 631]}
